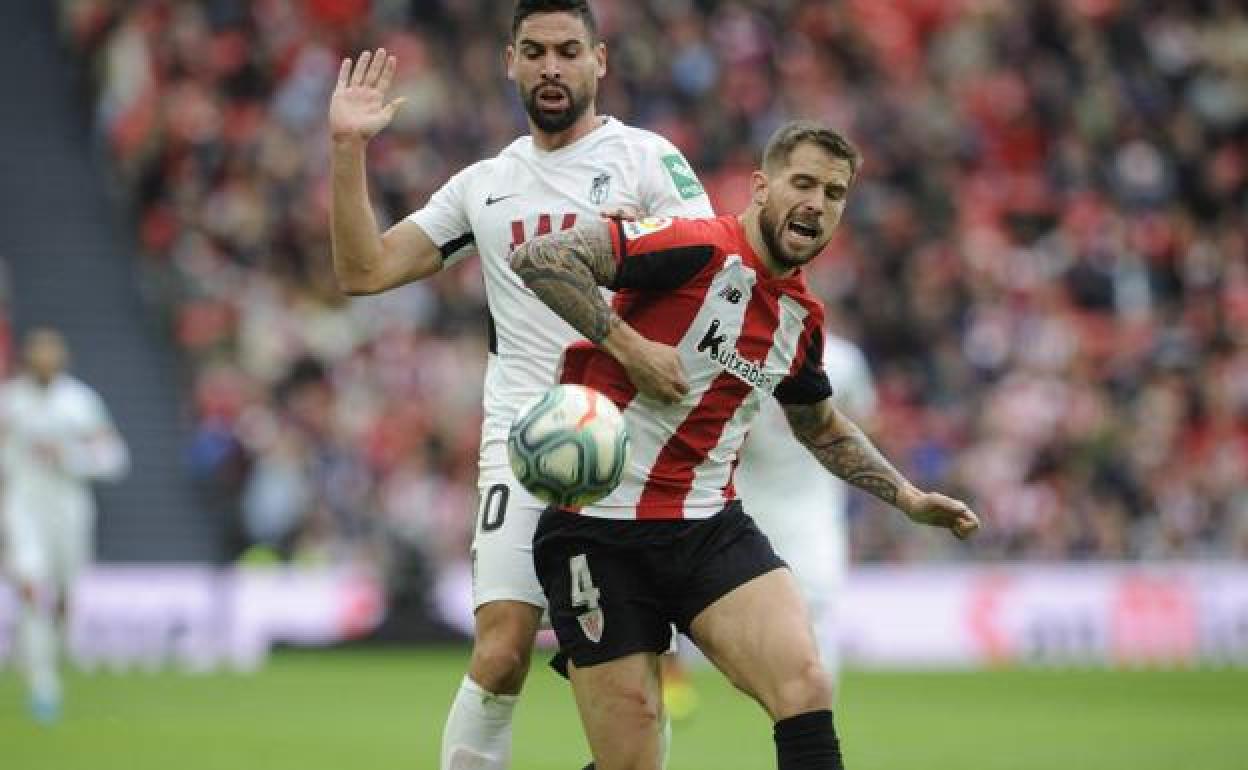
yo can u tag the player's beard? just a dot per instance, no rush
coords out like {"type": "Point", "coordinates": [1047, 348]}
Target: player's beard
{"type": "Point", "coordinates": [771, 226]}
{"type": "Point", "coordinates": [555, 122]}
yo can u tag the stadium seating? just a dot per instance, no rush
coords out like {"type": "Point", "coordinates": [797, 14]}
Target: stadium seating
{"type": "Point", "coordinates": [1044, 256]}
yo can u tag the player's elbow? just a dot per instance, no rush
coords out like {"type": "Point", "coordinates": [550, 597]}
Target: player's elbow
{"type": "Point", "coordinates": [116, 472]}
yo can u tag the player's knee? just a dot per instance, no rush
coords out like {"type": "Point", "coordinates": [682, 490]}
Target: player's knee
{"type": "Point", "coordinates": [806, 688]}
{"type": "Point", "coordinates": [637, 711]}
{"type": "Point", "coordinates": [499, 664]}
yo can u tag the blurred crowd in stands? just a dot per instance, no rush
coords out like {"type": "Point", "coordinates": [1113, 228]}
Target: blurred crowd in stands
{"type": "Point", "coordinates": [1045, 257]}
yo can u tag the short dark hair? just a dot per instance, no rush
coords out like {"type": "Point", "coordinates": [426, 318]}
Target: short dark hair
{"type": "Point", "coordinates": [526, 8]}
{"type": "Point", "coordinates": [791, 134]}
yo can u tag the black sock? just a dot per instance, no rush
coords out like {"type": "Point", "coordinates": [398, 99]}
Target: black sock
{"type": "Point", "coordinates": [808, 742]}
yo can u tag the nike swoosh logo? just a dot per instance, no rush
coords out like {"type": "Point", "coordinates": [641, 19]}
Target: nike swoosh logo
{"type": "Point", "coordinates": [490, 200]}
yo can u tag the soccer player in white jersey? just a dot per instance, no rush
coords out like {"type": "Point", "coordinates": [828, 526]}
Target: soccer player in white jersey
{"type": "Point", "coordinates": [800, 507]}
{"type": "Point", "coordinates": [55, 438]}
{"type": "Point", "coordinates": [573, 165]}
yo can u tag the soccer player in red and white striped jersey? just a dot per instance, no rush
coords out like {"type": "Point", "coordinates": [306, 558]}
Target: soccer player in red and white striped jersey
{"type": "Point", "coordinates": [709, 317]}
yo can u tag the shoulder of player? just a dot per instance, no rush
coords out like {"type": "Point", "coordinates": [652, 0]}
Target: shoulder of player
{"type": "Point", "coordinates": [76, 391]}
{"type": "Point", "coordinates": [481, 169]}
{"type": "Point", "coordinates": [715, 232]}
{"type": "Point", "coordinates": [636, 135]}
{"type": "Point", "coordinates": [798, 291]}
{"type": "Point", "coordinates": [836, 345]}
{"type": "Point", "coordinates": [641, 145]}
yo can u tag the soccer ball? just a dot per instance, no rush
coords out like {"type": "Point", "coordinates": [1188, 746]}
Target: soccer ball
{"type": "Point", "coordinates": [568, 446]}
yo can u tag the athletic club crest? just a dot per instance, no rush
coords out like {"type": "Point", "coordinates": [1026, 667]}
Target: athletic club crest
{"type": "Point", "coordinates": [600, 189]}
{"type": "Point", "coordinates": [592, 623]}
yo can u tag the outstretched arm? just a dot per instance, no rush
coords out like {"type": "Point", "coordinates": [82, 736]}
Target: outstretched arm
{"type": "Point", "coordinates": [366, 262]}
{"type": "Point", "coordinates": [844, 450]}
{"type": "Point", "coordinates": [565, 270]}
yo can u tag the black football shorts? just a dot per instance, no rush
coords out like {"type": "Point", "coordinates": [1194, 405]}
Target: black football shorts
{"type": "Point", "coordinates": [616, 588]}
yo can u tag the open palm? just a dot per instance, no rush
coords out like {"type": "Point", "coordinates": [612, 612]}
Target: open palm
{"type": "Point", "coordinates": [358, 108]}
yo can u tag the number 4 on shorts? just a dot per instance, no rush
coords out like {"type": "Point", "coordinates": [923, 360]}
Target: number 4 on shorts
{"type": "Point", "coordinates": [585, 598]}
{"type": "Point", "coordinates": [584, 593]}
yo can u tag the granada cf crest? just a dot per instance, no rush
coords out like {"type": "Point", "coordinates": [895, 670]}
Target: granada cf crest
{"type": "Point", "coordinates": [592, 623]}
{"type": "Point", "coordinates": [600, 189]}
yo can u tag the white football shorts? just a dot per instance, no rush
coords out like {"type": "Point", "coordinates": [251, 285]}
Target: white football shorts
{"type": "Point", "coordinates": [502, 541]}
{"type": "Point", "coordinates": [48, 546]}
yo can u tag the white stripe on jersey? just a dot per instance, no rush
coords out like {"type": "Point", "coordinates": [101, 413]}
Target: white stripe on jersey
{"type": "Point", "coordinates": [714, 472]}
{"type": "Point", "coordinates": [652, 424]}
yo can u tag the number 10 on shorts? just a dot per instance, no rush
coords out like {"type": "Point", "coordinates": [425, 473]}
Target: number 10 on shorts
{"type": "Point", "coordinates": [585, 598]}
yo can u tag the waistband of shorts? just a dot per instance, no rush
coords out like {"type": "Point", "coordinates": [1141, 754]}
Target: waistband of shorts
{"type": "Point", "coordinates": [559, 523]}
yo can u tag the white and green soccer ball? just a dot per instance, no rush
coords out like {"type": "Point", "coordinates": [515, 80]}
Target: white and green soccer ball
{"type": "Point", "coordinates": [569, 446]}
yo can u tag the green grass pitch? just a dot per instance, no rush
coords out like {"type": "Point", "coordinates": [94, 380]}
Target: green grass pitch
{"type": "Point", "coordinates": [383, 710]}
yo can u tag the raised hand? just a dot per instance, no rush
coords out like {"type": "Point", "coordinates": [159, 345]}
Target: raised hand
{"type": "Point", "coordinates": [939, 511]}
{"type": "Point", "coordinates": [358, 109]}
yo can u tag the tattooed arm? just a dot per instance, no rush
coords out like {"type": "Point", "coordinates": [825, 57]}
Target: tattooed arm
{"type": "Point", "coordinates": [844, 450]}
{"type": "Point", "coordinates": [565, 270]}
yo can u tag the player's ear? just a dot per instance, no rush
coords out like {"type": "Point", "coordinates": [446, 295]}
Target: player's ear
{"type": "Point", "coordinates": [758, 187]}
{"type": "Point", "coordinates": [509, 61]}
{"type": "Point", "coordinates": [600, 53]}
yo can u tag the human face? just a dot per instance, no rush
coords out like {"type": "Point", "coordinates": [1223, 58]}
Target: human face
{"type": "Point", "coordinates": [46, 354]}
{"type": "Point", "coordinates": [800, 204]}
{"type": "Point", "coordinates": [556, 67]}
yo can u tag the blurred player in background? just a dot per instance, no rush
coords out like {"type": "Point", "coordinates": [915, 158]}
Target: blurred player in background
{"type": "Point", "coordinates": [574, 165]}
{"type": "Point", "coordinates": [800, 508]}
{"type": "Point", "coordinates": [55, 438]}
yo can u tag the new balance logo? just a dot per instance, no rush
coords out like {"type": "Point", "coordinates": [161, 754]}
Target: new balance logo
{"type": "Point", "coordinates": [731, 294]}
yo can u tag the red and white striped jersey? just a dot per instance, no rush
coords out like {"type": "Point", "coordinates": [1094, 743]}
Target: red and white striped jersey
{"type": "Point", "coordinates": [743, 335]}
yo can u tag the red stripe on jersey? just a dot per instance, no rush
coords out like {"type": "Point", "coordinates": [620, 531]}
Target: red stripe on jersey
{"type": "Point", "coordinates": [663, 319]}
{"type": "Point", "coordinates": [671, 476]}
{"type": "Point", "coordinates": [585, 364]}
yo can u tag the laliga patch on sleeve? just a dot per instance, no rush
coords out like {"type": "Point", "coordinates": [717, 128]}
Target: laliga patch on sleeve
{"type": "Point", "coordinates": [637, 228]}
{"type": "Point", "coordinates": [683, 177]}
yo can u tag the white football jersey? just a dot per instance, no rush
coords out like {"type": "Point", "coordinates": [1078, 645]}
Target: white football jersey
{"type": "Point", "coordinates": [68, 417]}
{"type": "Point", "coordinates": [494, 205]}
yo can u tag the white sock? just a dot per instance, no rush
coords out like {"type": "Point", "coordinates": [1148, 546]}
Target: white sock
{"type": "Point", "coordinates": [38, 652]}
{"type": "Point", "coordinates": [478, 730]}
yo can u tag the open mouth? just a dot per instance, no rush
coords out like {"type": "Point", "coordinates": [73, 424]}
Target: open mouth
{"type": "Point", "coordinates": [553, 98]}
{"type": "Point", "coordinates": [804, 230]}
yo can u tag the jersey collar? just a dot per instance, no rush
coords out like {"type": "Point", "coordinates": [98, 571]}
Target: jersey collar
{"type": "Point", "coordinates": [575, 148]}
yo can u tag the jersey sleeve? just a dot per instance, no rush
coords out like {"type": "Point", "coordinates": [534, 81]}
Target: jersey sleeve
{"type": "Point", "coordinates": [445, 218]}
{"type": "Point", "coordinates": [658, 253]}
{"type": "Point", "coordinates": [807, 382]}
{"type": "Point", "coordinates": [97, 451]}
{"type": "Point", "coordinates": [670, 186]}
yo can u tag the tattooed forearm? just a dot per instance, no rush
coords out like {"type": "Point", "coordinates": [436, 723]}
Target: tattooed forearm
{"type": "Point", "coordinates": [844, 450]}
{"type": "Point", "coordinates": [565, 270]}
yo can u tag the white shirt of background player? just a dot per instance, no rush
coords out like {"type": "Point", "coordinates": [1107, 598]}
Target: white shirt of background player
{"type": "Point", "coordinates": [800, 506]}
